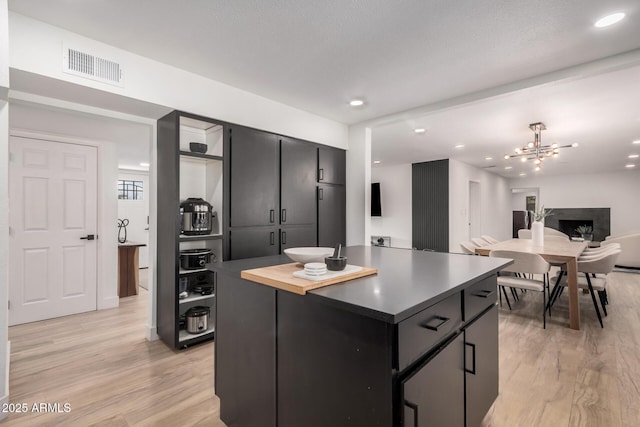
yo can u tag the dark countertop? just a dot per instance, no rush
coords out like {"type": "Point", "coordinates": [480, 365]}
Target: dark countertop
{"type": "Point", "coordinates": [407, 282]}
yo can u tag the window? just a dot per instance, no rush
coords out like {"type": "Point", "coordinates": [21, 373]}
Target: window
{"type": "Point", "coordinates": [129, 190]}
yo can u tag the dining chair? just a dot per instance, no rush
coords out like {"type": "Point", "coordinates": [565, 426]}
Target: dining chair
{"type": "Point", "coordinates": [526, 263]}
{"type": "Point", "coordinates": [523, 233]}
{"type": "Point", "coordinates": [595, 279]}
{"type": "Point", "coordinates": [601, 249]}
{"type": "Point", "coordinates": [490, 239]}
{"type": "Point", "coordinates": [479, 242]}
{"type": "Point", "coordinates": [468, 248]}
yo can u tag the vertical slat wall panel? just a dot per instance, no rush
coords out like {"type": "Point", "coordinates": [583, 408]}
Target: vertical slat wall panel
{"type": "Point", "coordinates": [430, 205]}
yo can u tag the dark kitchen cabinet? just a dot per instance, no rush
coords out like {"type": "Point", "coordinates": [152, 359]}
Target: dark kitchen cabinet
{"type": "Point", "coordinates": [434, 394]}
{"type": "Point", "coordinates": [250, 242]}
{"type": "Point", "coordinates": [254, 177]}
{"type": "Point", "coordinates": [272, 192]}
{"type": "Point", "coordinates": [331, 165]}
{"type": "Point", "coordinates": [331, 215]}
{"type": "Point", "coordinates": [297, 182]}
{"type": "Point", "coordinates": [481, 366]}
{"type": "Point", "coordinates": [184, 174]}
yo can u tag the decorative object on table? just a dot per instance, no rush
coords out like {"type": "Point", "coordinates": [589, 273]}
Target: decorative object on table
{"type": "Point", "coordinates": [195, 217]}
{"type": "Point", "coordinates": [336, 262]}
{"type": "Point", "coordinates": [315, 268]}
{"type": "Point", "coordinates": [535, 151]}
{"type": "Point", "coordinates": [304, 255]}
{"type": "Point", "coordinates": [197, 147]}
{"type": "Point", "coordinates": [586, 231]}
{"type": "Point", "coordinates": [122, 230]}
{"type": "Point", "coordinates": [537, 227]}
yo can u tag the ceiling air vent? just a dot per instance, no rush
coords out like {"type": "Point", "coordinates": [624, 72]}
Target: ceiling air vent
{"type": "Point", "coordinates": [93, 67]}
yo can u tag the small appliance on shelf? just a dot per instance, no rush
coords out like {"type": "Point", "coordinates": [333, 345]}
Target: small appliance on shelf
{"type": "Point", "coordinates": [196, 217]}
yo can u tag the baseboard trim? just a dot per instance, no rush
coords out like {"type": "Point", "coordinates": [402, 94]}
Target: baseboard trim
{"type": "Point", "coordinates": [109, 302]}
{"type": "Point", "coordinates": [152, 334]}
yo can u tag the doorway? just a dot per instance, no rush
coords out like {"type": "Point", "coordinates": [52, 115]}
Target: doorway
{"type": "Point", "coordinates": [474, 210]}
{"type": "Point", "coordinates": [53, 220]}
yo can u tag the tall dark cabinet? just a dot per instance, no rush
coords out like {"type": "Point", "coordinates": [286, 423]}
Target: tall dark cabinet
{"type": "Point", "coordinates": [183, 174]}
{"type": "Point", "coordinates": [331, 196]}
{"type": "Point", "coordinates": [273, 193]}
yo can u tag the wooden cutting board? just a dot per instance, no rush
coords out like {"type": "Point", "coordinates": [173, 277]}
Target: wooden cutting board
{"type": "Point", "coordinates": [281, 277]}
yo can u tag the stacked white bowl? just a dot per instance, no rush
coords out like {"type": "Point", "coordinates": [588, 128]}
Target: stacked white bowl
{"type": "Point", "coordinates": [315, 268]}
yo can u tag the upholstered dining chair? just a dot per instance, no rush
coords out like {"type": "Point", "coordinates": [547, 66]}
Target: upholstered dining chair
{"type": "Point", "coordinates": [595, 271]}
{"type": "Point", "coordinates": [479, 242]}
{"type": "Point", "coordinates": [523, 233]}
{"type": "Point", "coordinates": [526, 263]}
{"type": "Point", "coordinates": [490, 239]}
{"type": "Point", "coordinates": [468, 247]}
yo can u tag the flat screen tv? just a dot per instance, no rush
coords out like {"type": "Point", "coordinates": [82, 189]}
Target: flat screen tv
{"type": "Point", "coordinates": [376, 207]}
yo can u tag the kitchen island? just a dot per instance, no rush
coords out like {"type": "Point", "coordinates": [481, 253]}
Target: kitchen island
{"type": "Point", "coordinates": [414, 345]}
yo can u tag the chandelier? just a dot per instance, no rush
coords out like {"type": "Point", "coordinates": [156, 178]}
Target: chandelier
{"type": "Point", "coordinates": [534, 150]}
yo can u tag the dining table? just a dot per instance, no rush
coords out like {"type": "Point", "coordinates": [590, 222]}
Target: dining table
{"type": "Point", "coordinates": [554, 252]}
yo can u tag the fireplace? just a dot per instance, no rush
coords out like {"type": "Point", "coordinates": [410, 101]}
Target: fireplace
{"type": "Point", "coordinates": [567, 220]}
{"type": "Point", "coordinates": [568, 226]}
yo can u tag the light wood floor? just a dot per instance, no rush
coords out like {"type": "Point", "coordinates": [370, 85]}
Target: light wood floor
{"type": "Point", "coordinates": [101, 364]}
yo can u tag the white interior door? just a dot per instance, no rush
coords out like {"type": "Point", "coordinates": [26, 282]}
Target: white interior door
{"type": "Point", "coordinates": [474, 209]}
{"type": "Point", "coordinates": [53, 204]}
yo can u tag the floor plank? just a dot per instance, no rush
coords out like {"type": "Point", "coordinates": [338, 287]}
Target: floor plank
{"type": "Point", "coordinates": [101, 364]}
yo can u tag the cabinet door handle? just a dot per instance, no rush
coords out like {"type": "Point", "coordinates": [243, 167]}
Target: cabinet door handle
{"type": "Point", "coordinates": [441, 321]}
{"type": "Point", "coordinates": [284, 237]}
{"type": "Point", "coordinates": [414, 408]}
{"type": "Point", "coordinates": [320, 174]}
{"type": "Point", "coordinates": [272, 215]}
{"type": "Point", "coordinates": [472, 371]}
{"type": "Point", "coordinates": [320, 193]}
{"type": "Point", "coordinates": [284, 215]}
{"type": "Point", "coordinates": [272, 238]}
{"type": "Point", "coordinates": [483, 293]}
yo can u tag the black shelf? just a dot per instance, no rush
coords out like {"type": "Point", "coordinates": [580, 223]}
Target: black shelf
{"type": "Point", "coordinates": [200, 155]}
{"type": "Point", "coordinates": [184, 238]}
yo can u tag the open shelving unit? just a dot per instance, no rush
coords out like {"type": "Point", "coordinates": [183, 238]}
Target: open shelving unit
{"type": "Point", "coordinates": [185, 174]}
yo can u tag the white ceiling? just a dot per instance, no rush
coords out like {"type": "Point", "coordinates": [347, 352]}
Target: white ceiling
{"type": "Point", "coordinates": [398, 56]}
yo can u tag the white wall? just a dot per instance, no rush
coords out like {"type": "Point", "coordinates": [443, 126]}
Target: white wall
{"type": "Point", "coordinates": [619, 191]}
{"type": "Point", "coordinates": [359, 186]}
{"type": "Point", "coordinates": [4, 252]}
{"type": "Point", "coordinates": [395, 196]}
{"type": "Point", "coordinates": [4, 48]}
{"type": "Point", "coordinates": [495, 211]}
{"type": "Point", "coordinates": [36, 47]}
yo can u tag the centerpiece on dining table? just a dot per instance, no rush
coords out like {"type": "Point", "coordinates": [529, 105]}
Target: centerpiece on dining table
{"type": "Point", "coordinates": [537, 227]}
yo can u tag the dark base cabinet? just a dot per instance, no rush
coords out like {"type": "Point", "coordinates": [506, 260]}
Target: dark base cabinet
{"type": "Point", "coordinates": [332, 205]}
{"type": "Point", "coordinates": [286, 360]}
{"type": "Point", "coordinates": [250, 242]}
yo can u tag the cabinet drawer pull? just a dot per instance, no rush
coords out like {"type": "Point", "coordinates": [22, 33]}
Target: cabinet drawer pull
{"type": "Point", "coordinates": [284, 237]}
{"type": "Point", "coordinates": [472, 371]}
{"type": "Point", "coordinates": [414, 408]}
{"type": "Point", "coordinates": [272, 238]}
{"type": "Point", "coordinates": [320, 193]}
{"type": "Point", "coordinates": [320, 174]}
{"type": "Point", "coordinates": [284, 215]}
{"type": "Point", "coordinates": [441, 322]}
{"type": "Point", "coordinates": [483, 293]}
{"type": "Point", "coordinates": [272, 215]}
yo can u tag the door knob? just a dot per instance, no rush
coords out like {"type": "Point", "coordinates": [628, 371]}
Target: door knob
{"type": "Point", "coordinates": [88, 237]}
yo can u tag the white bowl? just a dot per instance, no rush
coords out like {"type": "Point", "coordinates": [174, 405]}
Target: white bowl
{"type": "Point", "coordinates": [310, 254]}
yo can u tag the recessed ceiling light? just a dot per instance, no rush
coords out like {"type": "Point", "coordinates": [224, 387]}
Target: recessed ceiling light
{"type": "Point", "coordinates": [523, 174]}
{"type": "Point", "coordinates": [609, 20]}
{"type": "Point", "coordinates": [356, 102]}
{"type": "Point", "coordinates": [419, 130]}
{"type": "Point", "coordinates": [488, 158]}
{"type": "Point", "coordinates": [376, 162]}
{"type": "Point", "coordinates": [636, 141]}
{"type": "Point", "coordinates": [508, 167]}
{"type": "Point", "coordinates": [629, 166]}
{"type": "Point", "coordinates": [460, 146]}
{"type": "Point", "coordinates": [144, 165]}
{"type": "Point", "coordinates": [633, 156]}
